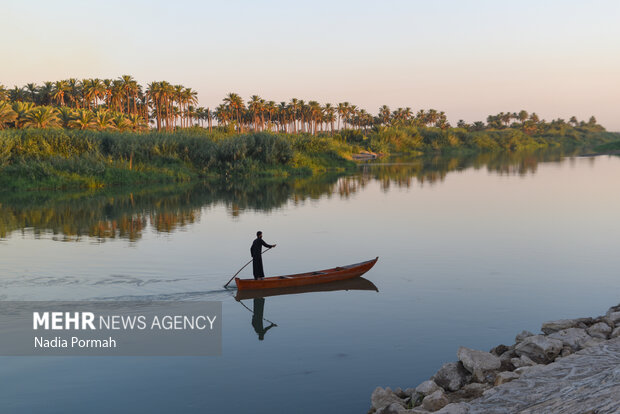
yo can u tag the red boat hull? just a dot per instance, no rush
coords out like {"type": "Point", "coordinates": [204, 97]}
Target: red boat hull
{"type": "Point", "coordinates": [309, 278]}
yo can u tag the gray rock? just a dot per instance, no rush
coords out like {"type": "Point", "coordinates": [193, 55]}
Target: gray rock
{"type": "Point", "coordinates": [488, 392]}
{"type": "Point", "coordinates": [384, 397]}
{"type": "Point", "coordinates": [504, 377]}
{"type": "Point", "coordinates": [599, 330]}
{"type": "Point", "coordinates": [499, 350]}
{"type": "Point", "coordinates": [566, 351]}
{"type": "Point", "coordinates": [524, 334]}
{"type": "Point", "coordinates": [554, 326]}
{"type": "Point", "coordinates": [427, 387]}
{"type": "Point", "coordinates": [572, 337]}
{"type": "Point", "coordinates": [529, 370]}
{"type": "Point", "coordinates": [454, 408]}
{"type": "Point", "coordinates": [409, 392]}
{"type": "Point", "coordinates": [585, 382]}
{"type": "Point", "coordinates": [508, 355]}
{"type": "Point", "coordinates": [478, 362]}
{"type": "Point", "coordinates": [593, 342]}
{"type": "Point", "coordinates": [615, 333]}
{"type": "Point", "coordinates": [539, 348]}
{"type": "Point", "coordinates": [523, 361]}
{"type": "Point", "coordinates": [396, 408]}
{"type": "Point", "coordinates": [435, 401]}
{"type": "Point", "coordinates": [468, 392]}
{"type": "Point", "coordinates": [613, 315]}
{"type": "Point", "coordinates": [452, 376]}
{"type": "Point", "coordinates": [399, 392]}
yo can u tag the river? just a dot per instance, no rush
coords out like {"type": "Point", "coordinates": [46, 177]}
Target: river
{"type": "Point", "coordinates": [472, 250]}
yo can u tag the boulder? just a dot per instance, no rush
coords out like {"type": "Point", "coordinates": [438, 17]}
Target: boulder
{"type": "Point", "coordinates": [427, 387]}
{"type": "Point", "coordinates": [384, 397]}
{"type": "Point", "coordinates": [435, 401]}
{"type": "Point", "coordinates": [615, 333]}
{"type": "Point", "coordinates": [599, 330]}
{"type": "Point", "coordinates": [454, 408]}
{"type": "Point", "coordinates": [554, 326]}
{"type": "Point", "coordinates": [479, 363]}
{"type": "Point", "coordinates": [452, 376]}
{"type": "Point", "coordinates": [613, 315]}
{"type": "Point", "coordinates": [504, 377]}
{"type": "Point", "coordinates": [523, 361]}
{"type": "Point", "coordinates": [539, 348]}
{"type": "Point", "coordinates": [572, 337]}
{"type": "Point", "coordinates": [524, 334]}
{"type": "Point", "coordinates": [468, 392]}
{"type": "Point", "coordinates": [410, 392]}
{"type": "Point", "coordinates": [508, 355]}
{"type": "Point", "coordinates": [499, 350]}
{"type": "Point", "coordinates": [566, 351]}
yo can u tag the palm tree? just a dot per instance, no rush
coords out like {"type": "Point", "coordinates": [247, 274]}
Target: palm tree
{"type": "Point", "coordinates": [343, 112]}
{"type": "Point", "coordinates": [190, 98]}
{"type": "Point", "coordinates": [65, 116]}
{"type": "Point", "coordinates": [235, 103]}
{"type": "Point", "coordinates": [41, 117]}
{"type": "Point", "coordinates": [58, 92]}
{"type": "Point", "coordinates": [18, 94]}
{"type": "Point", "coordinates": [315, 113]}
{"type": "Point", "coordinates": [3, 93]}
{"type": "Point", "coordinates": [154, 98]}
{"type": "Point", "coordinates": [120, 122]}
{"type": "Point", "coordinates": [74, 92]}
{"type": "Point", "coordinates": [329, 115]}
{"type": "Point", "coordinates": [32, 90]}
{"type": "Point", "coordinates": [7, 114]}
{"type": "Point", "coordinates": [136, 122]}
{"type": "Point", "coordinates": [21, 109]}
{"type": "Point", "coordinates": [84, 119]}
{"type": "Point", "coordinates": [127, 84]}
{"type": "Point", "coordinates": [45, 93]}
{"type": "Point", "coordinates": [385, 115]}
{"type": "Point", "coordinates": [103, 120]}
{"type": "Point", "coordinates": [255, 107]}
{"type": "Point", "coordinates": [294, 109]}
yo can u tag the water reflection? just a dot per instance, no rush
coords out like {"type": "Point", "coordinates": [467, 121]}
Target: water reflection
{"type": "Point", "coordinates": [128, 213]}
{"type": "Point", "coordinates": [258, 298]}
{"type": "Point", "coordinates": [257, 318]}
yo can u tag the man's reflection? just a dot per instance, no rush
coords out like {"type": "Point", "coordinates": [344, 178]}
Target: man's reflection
{"type": "Point", "coordinates": [257, 318]}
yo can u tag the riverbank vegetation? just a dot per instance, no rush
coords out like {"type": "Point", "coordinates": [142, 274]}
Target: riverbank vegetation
{"type": "Point", "coordinates": [94, 132]}
{"type": "Point", "coordinates": [609, 148]}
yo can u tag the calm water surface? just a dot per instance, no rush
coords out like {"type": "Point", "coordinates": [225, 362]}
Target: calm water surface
{"type": "Point", "coordinates": [471, 251]}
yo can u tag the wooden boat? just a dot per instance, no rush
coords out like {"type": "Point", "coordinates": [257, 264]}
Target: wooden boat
{"type": "Point", "coordinates": [358, 283]}
{"type": "Point", "coordinates": [309, 278]}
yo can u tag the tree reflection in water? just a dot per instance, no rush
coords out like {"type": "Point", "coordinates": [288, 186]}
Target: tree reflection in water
{"type": "Point", "coordinates": [127, 213]}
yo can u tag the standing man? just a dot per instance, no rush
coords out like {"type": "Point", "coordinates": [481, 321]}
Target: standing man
{"type": "Point", "coordinates": [257, 258]}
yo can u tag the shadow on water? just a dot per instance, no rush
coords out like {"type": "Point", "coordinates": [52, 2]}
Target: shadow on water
{"type": "Point", "coordinates": [258, 298]}
{"type": "Point", "coordinates": [126, 213]}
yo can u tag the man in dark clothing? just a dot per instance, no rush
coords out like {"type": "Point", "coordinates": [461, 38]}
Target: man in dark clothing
{"type": "Point", "coordinates": [257, 258]}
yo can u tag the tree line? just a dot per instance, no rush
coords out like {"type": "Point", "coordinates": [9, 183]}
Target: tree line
{"type": "Point", "coordinates": [123, 104]}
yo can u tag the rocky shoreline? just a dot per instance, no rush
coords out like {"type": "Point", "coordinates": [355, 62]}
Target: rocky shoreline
{"type": "Point", "coordinates": [572, 366]}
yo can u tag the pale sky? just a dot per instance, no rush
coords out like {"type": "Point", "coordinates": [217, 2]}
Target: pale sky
{"type": "Point", "coordinates": [468, 58]}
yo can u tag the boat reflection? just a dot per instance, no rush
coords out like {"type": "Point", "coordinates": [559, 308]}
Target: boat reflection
{"type": "Point", "coordinates": [358, 283]}
{"type": "Point", "coordinates": [258, 297]}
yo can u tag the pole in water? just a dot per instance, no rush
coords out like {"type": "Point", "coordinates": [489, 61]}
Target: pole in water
{"type": "Point", "coordinates": [239, 271]}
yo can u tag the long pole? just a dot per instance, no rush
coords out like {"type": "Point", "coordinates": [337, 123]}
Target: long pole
{"type": "Point", "coordinates": [231, 279]}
